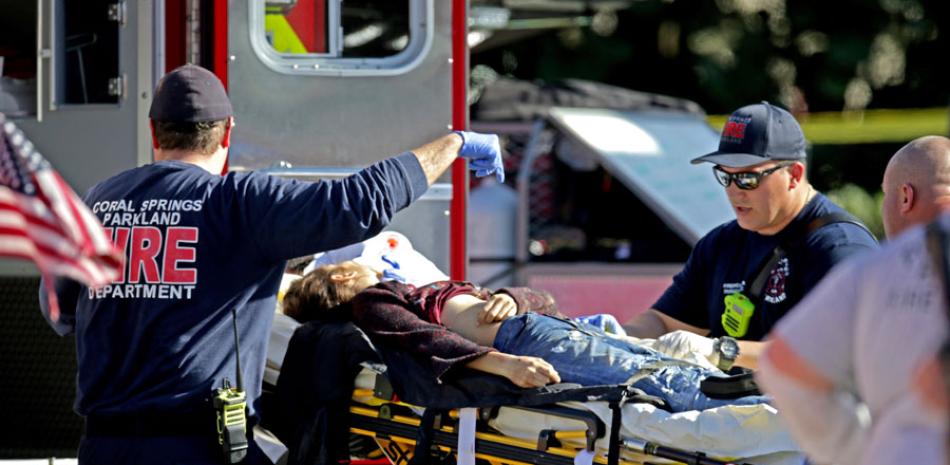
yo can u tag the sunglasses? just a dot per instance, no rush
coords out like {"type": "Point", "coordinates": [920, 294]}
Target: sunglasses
{"type": "Point", "coordinates": [746, 180]}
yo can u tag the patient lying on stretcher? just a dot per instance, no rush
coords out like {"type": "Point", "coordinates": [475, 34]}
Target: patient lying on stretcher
{"type": "Point", "coordinates": [515, 333]}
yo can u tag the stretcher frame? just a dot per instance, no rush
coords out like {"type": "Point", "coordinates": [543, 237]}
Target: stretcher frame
{"type": "Point", "coordinates": [395, 427]}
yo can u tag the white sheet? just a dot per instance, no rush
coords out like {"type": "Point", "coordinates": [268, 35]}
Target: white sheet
{"type": "Point", "coordinates": [388, 251]}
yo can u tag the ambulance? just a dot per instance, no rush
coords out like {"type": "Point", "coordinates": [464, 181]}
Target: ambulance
{"type": "Point", "coordinates": [320, 88]}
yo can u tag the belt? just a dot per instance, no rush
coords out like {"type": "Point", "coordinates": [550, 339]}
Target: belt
{"type": "Point", "coordinates": [151, 424]}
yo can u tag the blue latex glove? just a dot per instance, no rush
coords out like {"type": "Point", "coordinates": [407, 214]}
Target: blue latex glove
{"type": "Point", "coordinates": [392, 275]}
{"type": "Point", "coordinates": [604, 321]}
{"type": "Point", "coordinates": [483, 152]}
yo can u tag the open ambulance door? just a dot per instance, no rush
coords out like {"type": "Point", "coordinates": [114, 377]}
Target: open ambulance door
{"type": "Point", "coordinates": [322, 88]}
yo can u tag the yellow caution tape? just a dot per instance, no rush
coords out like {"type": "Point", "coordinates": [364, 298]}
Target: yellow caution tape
{"type": "Point", "coordinates": [869, 126]}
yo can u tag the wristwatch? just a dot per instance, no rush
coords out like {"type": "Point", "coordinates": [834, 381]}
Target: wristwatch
{"type": "Point", "coordinates": [727, 351]}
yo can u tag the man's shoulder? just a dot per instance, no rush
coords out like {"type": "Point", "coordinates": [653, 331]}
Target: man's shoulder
{"type": "Point", "coordinates": [129, 177]}
{"type": "Point", "coordinates": [834, 243]}
{"type": "Point", "coordinates": [137, 176]}
{"type": "Point", "coordinates": [838, 232]}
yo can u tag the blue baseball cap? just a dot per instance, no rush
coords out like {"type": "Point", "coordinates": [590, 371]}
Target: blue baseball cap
{"type": "Point", "coordinates": [190, 94]}
{"type": "Point", "coordinates": [756, 134]}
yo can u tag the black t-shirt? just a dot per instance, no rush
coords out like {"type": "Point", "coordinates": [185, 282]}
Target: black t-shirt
{"type": "Point", "coordinates": [727, 259]}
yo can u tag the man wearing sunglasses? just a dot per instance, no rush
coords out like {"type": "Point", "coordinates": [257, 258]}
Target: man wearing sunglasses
{"type": "Point", "coordinates": [744, 275]}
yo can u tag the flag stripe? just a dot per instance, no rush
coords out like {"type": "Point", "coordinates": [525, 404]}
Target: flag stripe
{"type": "Point", "coordinates": [91, 235]}
{"type": "Point", "coordinates": [27, 206]}
{"type": "Point", "coordinates": [34, 221]}
{"type": "Point", "coordinates": [82, 270]}
{"type": "Point", "coordinates": [43, 220]}
{"type": "Point", "coordinates": [47, 243]}
{"type": "Point", "coordinates": [13, 219]}
{"type": "Point", "coordinates": [53, 188]}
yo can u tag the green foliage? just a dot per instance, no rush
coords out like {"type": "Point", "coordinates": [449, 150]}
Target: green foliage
{"type": "Point", "coordinates": [808, 55]}
{"type": "Point", "coordinates": [865, 206]}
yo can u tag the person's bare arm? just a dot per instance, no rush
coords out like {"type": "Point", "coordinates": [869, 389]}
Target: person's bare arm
{"type": "Point", "coordinates": [483, 152]}
{"type": "Point", "coordinates": [749, 353]}
{"type": "Point", "coordinates": [523, 371]}
{"type": "Point", "coordinates": [654, 323]}
{"type": "Point", "coordinates": [436, 156]}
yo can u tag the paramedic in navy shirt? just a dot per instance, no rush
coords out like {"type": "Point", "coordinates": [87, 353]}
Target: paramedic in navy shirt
{"type": "Point", "coordinates": [154, 345]}
{"type": "Point", "coordinates": [761, 164]}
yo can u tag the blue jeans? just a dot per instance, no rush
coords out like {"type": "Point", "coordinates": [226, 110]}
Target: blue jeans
{"type": "Point", "coordinates": [585, 355]}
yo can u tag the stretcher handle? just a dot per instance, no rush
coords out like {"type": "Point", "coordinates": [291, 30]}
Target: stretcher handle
{"type": "Point", "coordinates": [680, 455]}
{"type": "Point", "coordinates": [549, 438]}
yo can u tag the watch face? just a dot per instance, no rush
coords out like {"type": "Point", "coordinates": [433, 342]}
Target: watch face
{"type": "Point", "coordinates": [728, 348]}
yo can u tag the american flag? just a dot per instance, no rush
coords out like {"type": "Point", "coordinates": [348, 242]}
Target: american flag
{"type": "Point", "coordinates": [42, 219]}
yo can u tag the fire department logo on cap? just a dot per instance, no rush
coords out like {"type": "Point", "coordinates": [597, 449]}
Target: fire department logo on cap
{"type": "Point", "coordinates": [734, 130]}
{"type": "Point", "coordinates": [755, 134]}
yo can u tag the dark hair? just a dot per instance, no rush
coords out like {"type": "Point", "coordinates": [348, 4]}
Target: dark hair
{"type": "Point", "coordinates": [317, 297]}
{"type": "Point", "coordinates": [203, 137]}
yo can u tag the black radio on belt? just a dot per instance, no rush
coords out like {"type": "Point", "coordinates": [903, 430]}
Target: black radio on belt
{"type": "Point", "coordinates": [230, 407]}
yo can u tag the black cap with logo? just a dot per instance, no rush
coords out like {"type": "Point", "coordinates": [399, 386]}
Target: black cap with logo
{"type": "Point", "coordinates": [756, 134]}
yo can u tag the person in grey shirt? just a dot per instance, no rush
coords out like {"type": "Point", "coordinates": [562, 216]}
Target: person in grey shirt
{"type": "Point", "coordinates": [845, 365]}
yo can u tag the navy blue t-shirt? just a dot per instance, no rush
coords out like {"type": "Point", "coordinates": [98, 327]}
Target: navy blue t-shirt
{"type": "Point", "coordinates": [727, 259]}
{"type": "Point", "coordinates": [160, 338]}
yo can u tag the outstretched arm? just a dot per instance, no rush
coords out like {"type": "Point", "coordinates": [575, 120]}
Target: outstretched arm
{"type": "Point", "coordinates": [483, 151]}
{"type": "Point", "coordinates": [436, 156]}
{"type": "Point", "coordinates": [526, 372]}
{"type": "Point", "coordinates": [314, 216]}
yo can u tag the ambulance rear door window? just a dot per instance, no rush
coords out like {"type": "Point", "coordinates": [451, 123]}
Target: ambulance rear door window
{"type": "Point", "coordinates": [340, 37]}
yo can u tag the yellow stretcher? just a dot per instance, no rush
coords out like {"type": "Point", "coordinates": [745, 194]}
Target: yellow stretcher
{"type": "Point", "coordinates": [581, 433]}
{"type": "Point", "coordinates": [559, 434]}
